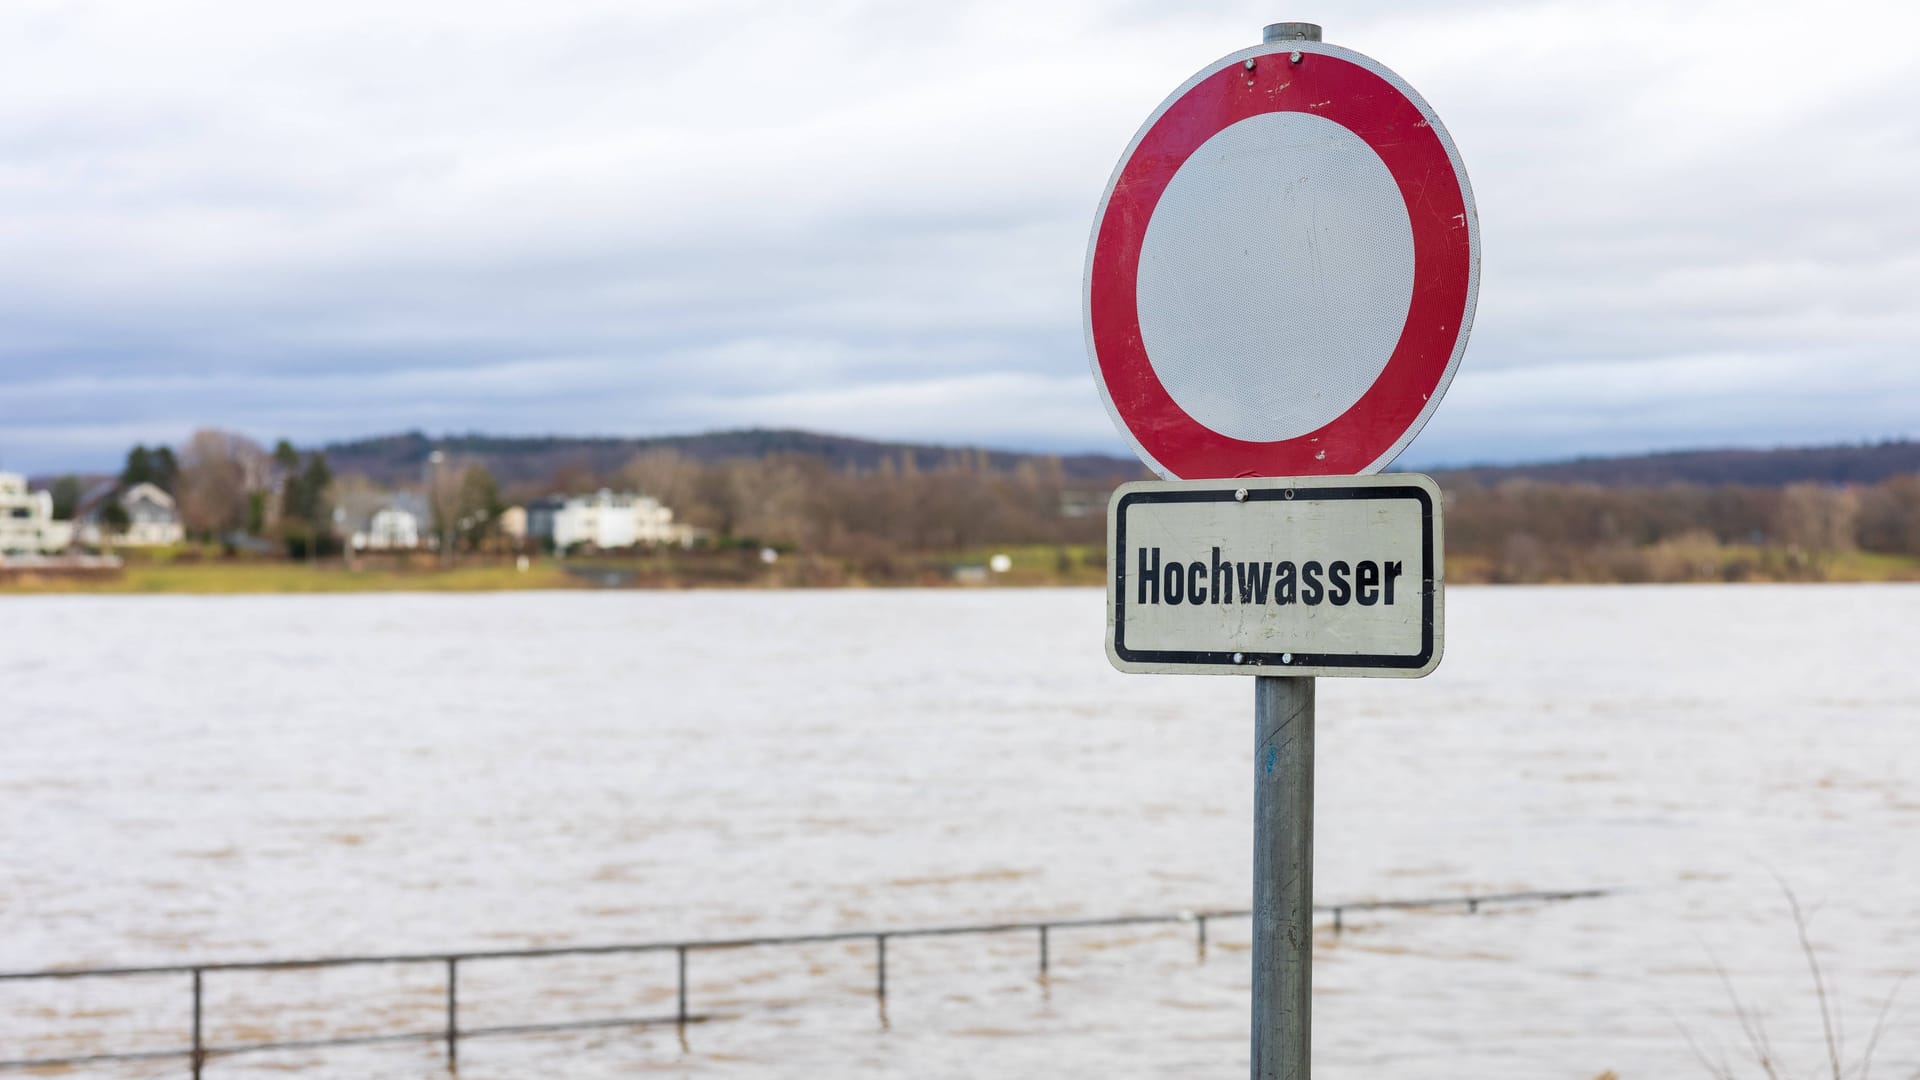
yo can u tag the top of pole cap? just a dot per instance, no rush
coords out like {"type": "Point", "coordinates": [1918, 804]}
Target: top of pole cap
{"type": "Point", "coordinates": [1290, 31]}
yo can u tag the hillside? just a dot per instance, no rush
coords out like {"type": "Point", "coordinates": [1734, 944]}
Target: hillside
{"type": "Point", "coordinates": [536, 460]}
{"type": "Point", "coordinates": [1863, 464]}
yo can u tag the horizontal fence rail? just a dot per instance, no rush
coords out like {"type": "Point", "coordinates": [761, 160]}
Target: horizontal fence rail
{"type": "Point", "coordinates": [199, 1051]}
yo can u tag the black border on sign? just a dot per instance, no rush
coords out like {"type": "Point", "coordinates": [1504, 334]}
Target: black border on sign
{"type": "Point", "coordinates": [1260, 660]}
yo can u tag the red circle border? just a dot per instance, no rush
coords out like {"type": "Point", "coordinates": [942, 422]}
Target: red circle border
{"type": "Point", "coordinates": [1404, 135]}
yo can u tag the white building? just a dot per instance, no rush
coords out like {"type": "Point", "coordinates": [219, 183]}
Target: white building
{"type": "Point", "coordinates": [389, 529]}
{"type": "Point", "coordinates": [513, 523]}
{"type": "Point", "coordinates": [152, 520]}
{"type": "Point", "coordinates": [605, 520]}
{"type": "Point", "coordinates": [383, 521]}
{"type": "Point", "coordinates": [26, 519]}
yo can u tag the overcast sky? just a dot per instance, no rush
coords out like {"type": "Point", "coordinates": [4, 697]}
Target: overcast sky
{"type": "Point", "coordinates": [651, 217]}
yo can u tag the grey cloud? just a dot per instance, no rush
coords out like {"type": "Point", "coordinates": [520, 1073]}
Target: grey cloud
{"type": "Point", "coordinates": [871, 218]}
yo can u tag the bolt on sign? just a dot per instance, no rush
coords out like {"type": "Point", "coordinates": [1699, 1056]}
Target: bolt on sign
{"type": "Point", "coordinates": [1298, 576]}
{"type": "Point", "coordinates": [1280, 282]}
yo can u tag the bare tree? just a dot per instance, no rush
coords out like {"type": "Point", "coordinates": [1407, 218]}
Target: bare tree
{"type": "Point", "coordinates": [480, 506]}
{"type": "Point", "coordinates": [218, 470]}
{"type": "Point", "coordinates": [463, 500]}
{"type": "Point", "coordinates": [1816, 520]}
{"type": "Point", "coordinates": [443, 502]}
{"type": "Point", "coordinates": [1890, 516]}
{"type": "Point", "coordinates": [667, 475]}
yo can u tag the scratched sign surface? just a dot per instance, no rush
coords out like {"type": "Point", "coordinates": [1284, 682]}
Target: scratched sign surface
{"type": "Point", "coordinates": [1287, 575]}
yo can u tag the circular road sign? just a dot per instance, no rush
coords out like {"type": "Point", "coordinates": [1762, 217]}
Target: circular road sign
{"type": "Point", "coordinates": [1283, 270]}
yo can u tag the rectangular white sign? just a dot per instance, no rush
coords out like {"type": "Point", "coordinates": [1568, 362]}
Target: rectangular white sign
{"type": "Point", "coordinates": [1318, 575]}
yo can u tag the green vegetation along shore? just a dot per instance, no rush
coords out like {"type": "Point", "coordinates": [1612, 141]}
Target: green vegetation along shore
{"type": "Point", "coordinates": [156, 573]}
{"type": "Point", "coordinates": [225, 515]}
{"type": "Point", "coordinates": [1029, 566]}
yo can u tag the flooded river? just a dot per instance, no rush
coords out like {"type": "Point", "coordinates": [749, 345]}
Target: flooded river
{"type": "Point", "coordinates": [190, 779]}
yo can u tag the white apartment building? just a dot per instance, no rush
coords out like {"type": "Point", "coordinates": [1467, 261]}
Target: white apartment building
{"type": "Point", "coordinates": [26, 519]}
{"type": "Point", "coordinates": [605, 520]}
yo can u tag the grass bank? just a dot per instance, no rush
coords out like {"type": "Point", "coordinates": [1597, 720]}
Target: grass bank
{"type": "Point", "coordinates": [1037, 565]}
{"type": "Point", "coordinates": [161, 573]}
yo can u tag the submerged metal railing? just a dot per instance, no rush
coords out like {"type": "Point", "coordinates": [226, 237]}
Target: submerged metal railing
{"type": "Point", "coordinates": [199, 1051]}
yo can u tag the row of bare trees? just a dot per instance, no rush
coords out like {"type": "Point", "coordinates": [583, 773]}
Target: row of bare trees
{"type": "Point", "coordinates": [1529, 531]}
{"type": "Point", "coordinates": [903, 506]}
{"type": "Point", "coordinates": [1513, 531]}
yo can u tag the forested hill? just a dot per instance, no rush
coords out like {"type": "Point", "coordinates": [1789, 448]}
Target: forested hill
{"type": "Point", "coordinates": [1863, 464]}
{"type": "Point", "coordinates": [537, 460]}
{"type": "Point", "coordinates": [400, 458]}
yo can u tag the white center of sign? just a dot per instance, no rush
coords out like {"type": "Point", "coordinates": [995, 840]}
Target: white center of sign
{"type": "Point", "coordinates": [1275, 276]}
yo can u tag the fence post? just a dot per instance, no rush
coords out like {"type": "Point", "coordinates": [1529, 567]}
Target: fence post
{"type": "Point", "coordinates": [880, 988]}
{"type": "Point", "coordinates": [1202, 920]}
{"type": "Point", "coordinates": [1043, 950]}
{"type": "Point", "coordinates": [199, 1051]}
{"type": "Point", "coordinates": [682, 1014]}
{"type": "Point", "coordinates": [453, 1014]}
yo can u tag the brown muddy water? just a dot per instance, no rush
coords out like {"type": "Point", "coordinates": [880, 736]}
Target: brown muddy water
{"type": "Point", "coordinates": [199, 779]}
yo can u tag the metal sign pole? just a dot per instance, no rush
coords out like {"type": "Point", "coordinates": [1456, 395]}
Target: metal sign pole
{"type": "Point", "coordinates": [1283, 844]}
{"type": "Point", "coordinates": [1272, 542]}
{"type": "Point", "coordinates": [1282, 876]}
